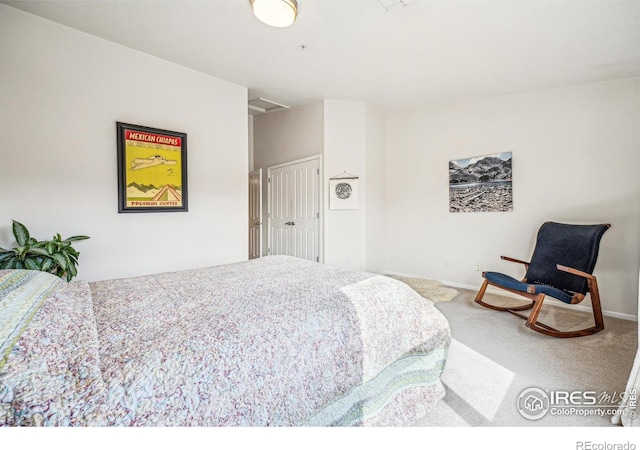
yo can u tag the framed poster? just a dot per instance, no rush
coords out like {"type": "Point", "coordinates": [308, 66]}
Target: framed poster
{"type": "Point", "coordinates": [152, 169]}
{"type": "Point", "coordinates": [481, 184]}
{"type": "Point", "coordinates": [343, 193]}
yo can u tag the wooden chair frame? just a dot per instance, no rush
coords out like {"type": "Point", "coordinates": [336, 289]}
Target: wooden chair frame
{"type": "Point", "coordinates": [538, 298]}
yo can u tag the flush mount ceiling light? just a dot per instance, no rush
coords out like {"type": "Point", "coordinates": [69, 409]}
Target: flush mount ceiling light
{"type": "Point", "coordinates": [276, 13]}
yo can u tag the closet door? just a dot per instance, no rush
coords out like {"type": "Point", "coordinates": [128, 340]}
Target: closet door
{"type": "Point", "coordinates": [294, 209]}
{"type": "Point", "coordinates": [280, 203]}
{"type": "Point", "coordinates": [305, 211]}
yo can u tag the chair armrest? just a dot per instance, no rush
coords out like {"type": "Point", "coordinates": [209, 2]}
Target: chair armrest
{"type": "Point", "coordinates": [575, 272]}
{"type": "Point", "coordinates": [507, 258]}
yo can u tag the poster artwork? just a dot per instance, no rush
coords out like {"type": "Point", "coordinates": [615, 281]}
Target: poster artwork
{"type": "Point", "coordinates": [481, 184]}
{"type": "Point", "coordinates": [152, 169]}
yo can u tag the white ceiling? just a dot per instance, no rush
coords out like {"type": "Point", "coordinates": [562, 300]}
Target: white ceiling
{"type": "Point", "coordinates": [428, 51]}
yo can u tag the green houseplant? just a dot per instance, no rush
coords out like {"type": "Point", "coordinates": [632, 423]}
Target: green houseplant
{"type": "Point", "coordinates": [56, 256]}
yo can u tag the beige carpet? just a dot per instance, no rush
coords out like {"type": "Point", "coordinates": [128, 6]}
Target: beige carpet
{"type": "Point", "coordinates": [431, 289]}
{"type": "Point", "coordinates": [493, 358]}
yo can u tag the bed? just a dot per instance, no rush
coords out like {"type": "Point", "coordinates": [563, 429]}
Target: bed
{"type": "Point", "coordinates": [276, 341]}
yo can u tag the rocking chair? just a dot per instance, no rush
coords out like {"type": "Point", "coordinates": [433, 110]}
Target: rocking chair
{"type": "Point", "coordinates": [562, 267]}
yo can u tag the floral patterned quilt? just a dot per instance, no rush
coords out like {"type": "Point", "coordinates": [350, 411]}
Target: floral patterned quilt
{"type": "Point", "coordinates": [276, 341]}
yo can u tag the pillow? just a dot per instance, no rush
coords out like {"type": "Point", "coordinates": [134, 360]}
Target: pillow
{"type": "Point", "coordinates": [52, 375]}
{"type": "Point", "coordinates": [22, 292]}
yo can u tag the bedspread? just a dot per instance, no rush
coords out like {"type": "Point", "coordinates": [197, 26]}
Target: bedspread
{"type": "Point", "coordinates": [265, 342]}
{"type": "Point", "coordinates": [276, 341]}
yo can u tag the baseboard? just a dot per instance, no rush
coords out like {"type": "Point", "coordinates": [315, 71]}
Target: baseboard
{"type": "Point", "coordinates": [553, 301]}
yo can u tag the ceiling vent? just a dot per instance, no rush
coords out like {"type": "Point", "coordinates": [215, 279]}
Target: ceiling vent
{"type": "Point", "coordinates": [393, 5]}
{"type": "Point", "coordinates": [262, 105]}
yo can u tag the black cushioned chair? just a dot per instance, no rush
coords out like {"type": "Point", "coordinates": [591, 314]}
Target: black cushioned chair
{"type": "Point", "coordinates": [561, 267]}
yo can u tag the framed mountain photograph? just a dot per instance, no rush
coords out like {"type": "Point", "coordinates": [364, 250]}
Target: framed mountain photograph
{"type": "Point", "coordinates": [481, 184]}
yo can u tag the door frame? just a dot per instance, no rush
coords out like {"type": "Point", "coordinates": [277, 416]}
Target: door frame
{"type": "Point", "coordinates": [259, 173]}
{"type": "Point", "coordinates": [320, 200]}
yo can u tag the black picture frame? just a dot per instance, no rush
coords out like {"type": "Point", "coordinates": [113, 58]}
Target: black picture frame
{"type": "Point", "coordinates": [152, 169]}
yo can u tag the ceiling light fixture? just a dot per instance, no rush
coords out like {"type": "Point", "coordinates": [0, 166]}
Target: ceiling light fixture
{"type": "Point", "coordinates": [276, 13]}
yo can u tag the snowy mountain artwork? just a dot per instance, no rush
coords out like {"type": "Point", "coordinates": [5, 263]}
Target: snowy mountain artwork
{"type": "Point", "coordinates": [481, 184]}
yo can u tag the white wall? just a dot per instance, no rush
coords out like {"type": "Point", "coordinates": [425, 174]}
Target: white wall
{"type": "Point", "coordinates": [576, 154]}
{"type": "Point", "coordinates": [61, 93]}
{"type": "Point", "coordinates": [345, 150]}
{"type": "Point", "coordinates": [250, 143]}
{"type": "Point", "coordinates": [375, 188]}
{"type": "Point", "coordinates": [288, 134]}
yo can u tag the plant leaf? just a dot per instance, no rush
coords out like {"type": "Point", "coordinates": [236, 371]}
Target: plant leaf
{"type": "Point", "coordinates": [21, 252]}
{"type": "Point", "coordinates": [76, 238]}
{"type": "Point", "coordinates": [7, 255]}
{"type": "Point", "coordinates": [47, 265]}
{"type": "Point", "coordinates": [7, 264]}
{"type": "Point", "coordinates": [72, 270]}
{"type": "Point", "coordinates": [51, 247]}
{"type": "Point", "coordinates": [21, 233]}
{"type": "Point", "coordinates": [37, 251]}
{"type": "Point", "coordinates": [61, 260]}
{"type": "Point", "coordinates": [31, 264]}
